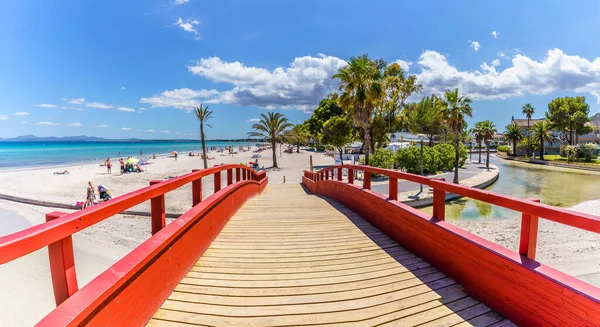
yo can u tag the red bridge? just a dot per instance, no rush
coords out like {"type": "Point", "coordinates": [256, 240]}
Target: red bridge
{"type": "Point", "coordinates": [327, 252]}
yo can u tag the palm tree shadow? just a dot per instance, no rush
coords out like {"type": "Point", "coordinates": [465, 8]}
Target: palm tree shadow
{"type": "Point", "coordinates": [451, 294]}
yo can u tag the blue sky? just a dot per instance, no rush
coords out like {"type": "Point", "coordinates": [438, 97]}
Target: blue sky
{"type": "Point", "coordinates": [88, 67]}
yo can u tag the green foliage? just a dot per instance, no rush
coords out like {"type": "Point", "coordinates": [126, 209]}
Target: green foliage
{"type": "Point", "coordinates": [514, 134]}
{"type": "Point", "coordinates": [463, 154]}
{"type": "Point", "coordinates": [273, 127]}
{"type": "Point", "coordinates": [327, 108]}
{"type": "Point", "coordinates": [569, 115]}
{"type": "Point", "coordinates": [541, 133]}
{"type": "Point", "coordinates": [588, 151]}
{"type": "Point", "coordinates": [425, 117]}
{"type": "Point", "coordinates": [504, 148]}
{"type": "Point", "coordinates": [337, 132]}
{"type": "Point", "coordinates": [571, 152]}
{"type": "Point", "coordinates": [379, 128]}
{"type": "Point", "coordinates": [435, 159]}
{"type": "Point", "coordinates": [382, 158]}
{"type": "Point", "coordinates": [446, 154]}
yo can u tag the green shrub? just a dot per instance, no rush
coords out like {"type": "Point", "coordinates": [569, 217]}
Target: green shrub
{"type": "Point", "coordinates": [504, 148]}
{"type": "Point", "coordinates": [382, 158]}
{"type": "Point", "coordinates": [571, 152]}
{"type": "Point", "coordinates": [445, 152]}
{"type": "Point", "coordinates": [588, 151]}
{"type": "Point", "coordinates": [463, 154]}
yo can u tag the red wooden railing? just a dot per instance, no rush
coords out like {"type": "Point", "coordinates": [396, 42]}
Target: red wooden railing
{"type": "Point", "coordinates": [194, 230]}
{"type": "Point", "coordinates": [514, 284]}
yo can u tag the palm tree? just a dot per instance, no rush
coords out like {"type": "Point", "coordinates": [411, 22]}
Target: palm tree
{"type": "Point", "coordinates": [489, 129]}
{"type": "Point", "coordinates": [297, 136]}
{"type": "Point", "coordinates": [362, 89]}
{"type": "Point", "coordinates": [478, 131]}
{"type": "Point", "coordinates": [514, 134]}
{"type": "Point", "coordinates": [273, 127]}
{"type": "Point", "coordinates": [528, 111]}
{"type": "Point", "coordinates": [454, 109]}
{"type": "Point", "coordinates": [203, 114]}
{"type": "Point", "coordinates": [541, 134]}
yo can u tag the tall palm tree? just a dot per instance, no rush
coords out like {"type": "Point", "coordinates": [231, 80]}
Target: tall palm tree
{"type": "Point", "coordinates": [203, 114]}
{"type": "Point", "coordinates": [528, 111]}
{"type": "Point", "coordinates": [478, 131]}
{"type": "Point", "coordinates": [514, 134]}
{"type": "Point", "coordinates": [542, 133]}
{"type": "Point", "coordinates": [362, 89]}
{"type": "Point", "coordinates": [489, 129]}
{"type": "Point", "coordinates": [297, 136]}
{"type": "Point", "coordinates": [454, 108]}
{"type": "Point", "coordinates": [273, 127]}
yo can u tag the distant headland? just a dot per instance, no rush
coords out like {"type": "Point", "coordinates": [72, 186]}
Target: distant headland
{"type": "Point", "coordinates": [84, 138]}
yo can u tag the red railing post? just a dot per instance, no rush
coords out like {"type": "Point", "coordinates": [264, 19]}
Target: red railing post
{"type": "Point", "coordinates": [529, 231]}
{"type": "Point", "coordinates": [393, 188]}
{"type": "Point", "coordinates": [244, 174]}
{"type": "Point", "coordinates": [350, 176]}
{"type": "Point", "coordinates": [157, 210]}
{"type": "Point", "coordinates": [439, 204]}
{"type": "Point", "coordinates": [366, 180]}
{"type": "Point", "coordinates": [237, 174]}
{"type": "Point", "coordinates": [217, 181]}
{"type": "Point", "coordinates": [196, 190]}
{"type": "Point", "coordinates": [339, 174]}
{"type": "Point", "coordinates": [62, 265]}
{"type": "Point", "coordinates": [229, 177]}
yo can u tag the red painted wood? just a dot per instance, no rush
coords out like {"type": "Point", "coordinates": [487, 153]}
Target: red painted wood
{"type": "Point", "coordinates": [339, 174]}
{"type": "Point", "coordinates": [217, 181]}
{"type": "Point", "coordinates": [197, 191]}
{"type": "Point", "coordinates": [439, 204]}
{"type": "Point", "coordinates": [350, 176]}
{"type": "Point", "coordinates": [62, 265]}
{"type": "Point", "coordinates": [229, 176]}
{"type": "Point", "coordinates": [28, 240]}
{"type": "Point", "coordinates": [367, 181]}
{"type": "Point", "coordinates": [393, 188]}
{"type": "Point", "coordinates": [237, 174]}
{"type": "Point", "coordinates": [529, 231]}
{"type": "Point", "coordinates": [132, 289]}
{"type": "Point", "coordinates": [523, 290]}
{"type": "Point", "coordinates": [157, 209]}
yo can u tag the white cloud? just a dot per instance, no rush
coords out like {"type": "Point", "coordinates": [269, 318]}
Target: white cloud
{"type": "Point", "coordinates": [180, 2]}
{"type": "Point", "coordinates": [475, 45]}
{"type": "Point", "coordinates": [46, 105]}
{"type": "Point", "coordinates": [495, 34]}
{"type": "Point", "coordinates": [184, 98]}
{"type": "Point", "coordinates": [126, 109]}
{"type": "Point", "coordinates": [4, 117]}
{"type": "Point", "coordinates": [101, 126]}
{"type": "Point", "coordinates": [164, 132]}
{"type": "Point", "coordinates": [495, 62]}
{"type": "Point", "coordinates": [301, 85]}
{"type": "Point", "coordinates": [149, 131]}
{"type": "Point", "coordinates": [74, 100]}
{"type": "Point", "coordinates": [125, 128]}
{"type": "Point", "coordinates": [188, 25]}
{"type": "Point", "coordinates": [21, 113]}
{"type": "Point", "coordinates": [554, 73]}
{"type": "Point", "coordinates": [46, 123]}
{"type": "Point", "coordinates": [123, 88]}
{"type": "Point", "coordinates": [71, 108]}
{"type": "Point", "coordinates": [24, 122]}
{"type": "Point", "coordinates": [99, 105]}
{"type": "Point", "coordinates": [142, 109]}
{"type": "Point", "coordinates": [75, 125]}
{"type": "Point", "coordinates": [253, 120]}
{"type": "Point", "coordinates": [501, 54]}
{"type": "Point", "coordinates": [405, 65]}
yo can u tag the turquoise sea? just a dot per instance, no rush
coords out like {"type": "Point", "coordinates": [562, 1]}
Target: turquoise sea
{"type": "Point", "coordinates": [29, 154]}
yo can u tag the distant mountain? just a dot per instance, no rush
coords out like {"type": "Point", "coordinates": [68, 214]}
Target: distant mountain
{"type": "Point", "coordinates": [83, 138]}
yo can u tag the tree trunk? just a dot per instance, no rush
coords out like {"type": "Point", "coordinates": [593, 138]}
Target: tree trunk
{"type": "Point", "coordinates": [203, 145]}
{"type": "Point", "coordinates": [367, 143]}
{"type": "Point", "coordinates": [479, 150]}
{"type": "Point", "coordinates": [542, 149]}
{"type": "Point", "coordinates": [514, 148]}
{"type": "Point", "coordinates": [298, 147]}
{"type": "Point", "coordinates": [341, 158]}
{"type": "Point", "coordinates": [456, 158]}
{"type": "Point", "coordinates": [487, 160]}
{"type": "Point", "coordinates": [274, 147]}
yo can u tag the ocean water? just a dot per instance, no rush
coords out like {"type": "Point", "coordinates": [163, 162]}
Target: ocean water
{"type": "Point", "coordinates": [31, 154]}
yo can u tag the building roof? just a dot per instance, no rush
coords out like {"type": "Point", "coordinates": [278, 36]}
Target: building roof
{"type": "Point", "coordinates": [523, 121]}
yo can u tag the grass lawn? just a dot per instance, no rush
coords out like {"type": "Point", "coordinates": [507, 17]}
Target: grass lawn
{"type": "Point", "coordinates": [579, 161]}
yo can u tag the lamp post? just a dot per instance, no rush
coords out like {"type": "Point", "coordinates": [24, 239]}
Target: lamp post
{"type": "Point", "coordinates": [487, 160]}
{"type": "Point", "coordinates": [470, 150]}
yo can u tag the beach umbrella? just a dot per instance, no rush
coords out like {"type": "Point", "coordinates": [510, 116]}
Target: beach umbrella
{"type": "Point", "coordinates": [174, 152]}
{"type": "Point", "coordinates": [132, 161]}
{"type": "Point", "coordinates": [256, 156]}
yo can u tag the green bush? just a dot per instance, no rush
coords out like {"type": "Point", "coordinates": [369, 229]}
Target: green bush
{"type": "Point", "coordinates": [445, 152]}
{"type": "Point", "coordinates": [463, 154]}
{"type": "Point", "coordinates": [588, 151]}
{"type": "Point", "coordinates": [504, 148]}
{"type": "Point", "coordinates": [382, 158]}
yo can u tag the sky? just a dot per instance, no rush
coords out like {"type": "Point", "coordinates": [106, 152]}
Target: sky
{"type": "Point", "coordinates": [134, 69]}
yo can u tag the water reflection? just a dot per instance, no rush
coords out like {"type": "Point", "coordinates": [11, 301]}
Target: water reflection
{"type": "Point", "coordinates": [554, 186]}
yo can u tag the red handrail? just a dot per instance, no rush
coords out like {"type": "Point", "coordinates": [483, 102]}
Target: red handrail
{"type": "Point", "coordinates": [564, 216]}
{"type": "Point", "coordinates": [56, 232]}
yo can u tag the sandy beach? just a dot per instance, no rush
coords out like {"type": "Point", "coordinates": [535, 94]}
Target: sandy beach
{"type": "Point", "coordinates": [26, 289]}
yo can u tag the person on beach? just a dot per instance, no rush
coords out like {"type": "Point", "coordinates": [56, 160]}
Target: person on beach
{"type": "Point", "coordinates": [104, 193]}
{"type": "Point", "coordinates": [122, 165]}
{"type": "Point", "coordinates": [175, 156]}
{"type": "Point", "coordinates": [90, 196]}
{"type": "Point", "coordinates": [154, 156]}
{"type": "Point", "coordinates": [108, 166]}
{"type": "Point", "coordinates": [64, 172]}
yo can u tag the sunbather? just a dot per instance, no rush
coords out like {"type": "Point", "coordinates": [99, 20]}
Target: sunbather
{"type": "Point", "coordinates": [65, 172]}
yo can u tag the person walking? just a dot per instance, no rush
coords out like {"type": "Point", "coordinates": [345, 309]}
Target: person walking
{"type": "Point", "coordinates": [90, 196]}
{"type": "Point", "coordinates": [108, 166]}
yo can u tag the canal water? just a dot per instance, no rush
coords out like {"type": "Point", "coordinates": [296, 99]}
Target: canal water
{"type": "Point", "coordinates": [554, 186]}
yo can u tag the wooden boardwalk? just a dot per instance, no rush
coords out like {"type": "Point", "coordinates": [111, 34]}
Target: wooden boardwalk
{"type": "Point", "coordinates": [288, 258]}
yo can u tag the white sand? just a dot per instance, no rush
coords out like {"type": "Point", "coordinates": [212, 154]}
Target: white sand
{"type": "Point", "coordinates": [25, 285]}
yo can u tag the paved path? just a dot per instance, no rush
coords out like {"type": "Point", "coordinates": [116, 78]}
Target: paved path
{"type": "Point", "coordinates": [288, 258]}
